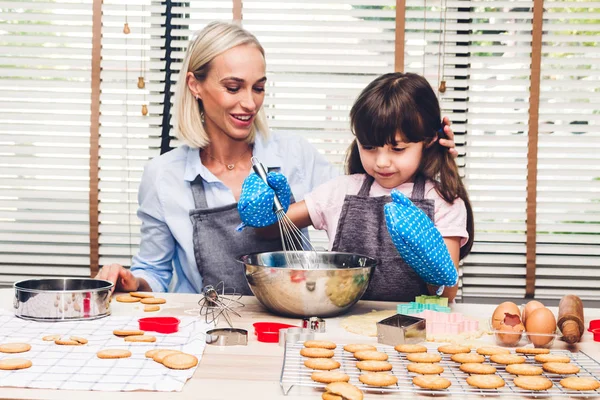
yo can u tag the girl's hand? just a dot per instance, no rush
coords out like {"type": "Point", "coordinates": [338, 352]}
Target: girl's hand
{"type": "Point", "coordinates": [120, 276]}
{"type": "Point", "coordinates": [256, 201]}
{"type": "Point", "coordinates": [449, 142]}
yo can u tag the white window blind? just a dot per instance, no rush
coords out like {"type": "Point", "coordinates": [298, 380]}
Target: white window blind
{"type": "Point", "coordinates": [45, 53]}
{"type": "Point", "coordinates": [568, 200]}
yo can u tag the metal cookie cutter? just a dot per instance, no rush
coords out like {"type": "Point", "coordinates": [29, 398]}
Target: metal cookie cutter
{"type": "Point", "coordinates": [294, 335]}
{"type": "Point", "coordinates": [227, 337]}
{"type": "Point", "coordinates": [400, 329]}
{"type": "Point", "coordinates": [315, 324]}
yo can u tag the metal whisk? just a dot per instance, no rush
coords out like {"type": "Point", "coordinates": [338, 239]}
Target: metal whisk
{"type": "Point", "coordinates": [296, 246]}
{"type": "Point", "coordinates": [217, 301]}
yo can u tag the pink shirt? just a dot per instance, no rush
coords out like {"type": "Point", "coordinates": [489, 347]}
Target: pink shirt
{"type": "Point", "coordinates": [325, 205]}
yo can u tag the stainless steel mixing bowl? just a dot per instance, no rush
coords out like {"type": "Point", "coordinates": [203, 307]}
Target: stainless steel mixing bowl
{"type": "Point", "coordinates": [62, 299]}
{"type": "Point", "coordinates": [334, 284]}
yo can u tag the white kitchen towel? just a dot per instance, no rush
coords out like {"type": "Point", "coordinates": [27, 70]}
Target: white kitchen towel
{"type": "Point", "coordinates": [78, 367]}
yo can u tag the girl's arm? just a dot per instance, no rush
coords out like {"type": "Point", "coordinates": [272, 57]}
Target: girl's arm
{"type": "Point", "coordinates": [453, 245]}
{"type": "Point", "coordinates": [297, 213]}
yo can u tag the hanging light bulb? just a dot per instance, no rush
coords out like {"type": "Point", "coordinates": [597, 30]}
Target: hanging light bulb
{"type": "Point", "coordinates": [442, 87]}
{"type": "Point", "coordinates": [126, 29]}
{"type": "Point", "coordinates": [144, 110]}
{"type": "Point", "coordinates": [141, 83]}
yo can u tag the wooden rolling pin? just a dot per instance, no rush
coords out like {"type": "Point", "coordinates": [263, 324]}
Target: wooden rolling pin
{"type": "Point", "coordinates": [570, 318]}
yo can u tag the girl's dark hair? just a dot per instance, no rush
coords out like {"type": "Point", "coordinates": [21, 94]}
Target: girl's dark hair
{"type": "Point", "coordinates": [405, 103]}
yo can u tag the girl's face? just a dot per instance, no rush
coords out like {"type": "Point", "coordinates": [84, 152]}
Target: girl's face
{"type": "Point", "coordinates": [391, 165]}
{"type": "Point", "coordinates": [233, 91]}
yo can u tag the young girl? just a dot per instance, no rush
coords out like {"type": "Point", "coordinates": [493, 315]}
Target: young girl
{"type": "Point", "coordinates": [397, 123]}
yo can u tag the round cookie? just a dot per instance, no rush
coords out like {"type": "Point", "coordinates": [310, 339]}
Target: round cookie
{"type": "Point", "coordinates": [431, 382]}
{"type": "Point", "coordinates": [329, 376]}
{"type": "Point", "coordinates": [507, 359]}
{"type": "Point", "coordinates": [321, 363]}
{"type": "Point", "coordinates": [533, 382]}
{"type": "Point", "coordinates": [490, 351]}
{"type": "Point", "coordinates": [467, 358]}
{"type": "Point", "coordinates": [125, 332]}
{"type": "Point", "coordinates": [580, 383]}
{"type": "Point", "coordinates": [315, 352]}
{"type": "Point", "coordinates": [454, 349]}
{"type": "Point", "coordinates": [14, 348]}
{"type": "Point", "coordinates": [532, 350]}
{"type": "Point", "coordinates": [11, 364]}
{"type": "Point", "coordinates": [560, 368]}
{"type": "Point", "coordinates": [524, 369]}
{"type": "Point", "coordinates": [141, 295]}
{"type": "Point", "coordinates": [125, 298]}
{"type": "Point", "coordinates": [151, 353]}
{"type": "Point", "coordinates": [67, 342]}
{"type": "Point", "coordinates": [160, 355]}
{"type": "Point", "coordinates": [51, 338]}
{"type": "Point", "coordinates": [113, 353]}
{"type": "Point", "coordinates": [478, 368]}
{"type": "Point", "coordinates": [331, 396]}
{"type": "Point", "coordinates": [377, 379]}
{"type": "Point", "coordinates": [180, 361]}
{"type": "Point", "coordinates": [140, 338]}
{"type": "Point", "coordinates": [345, 390]}
{"type": "Point", "coordinates": [424, 357]}
{"type": "Point", "coordinates": [374, 366]}
{"type": "Point", "coordinates": [485, 381]}
{"type": "Point", "coordinates": [321, 344]}
{"type": "Point", "coordinates": [354, 347]}
{"type": "Point", "coordinates": [425, 368]}
{"type": "Point", "coordinates": [364, 355]}
{"type": "Point", "coordinates": [153, 300]}
{"type": "Point", "coordinates": [554, 358]}
{"type": "Point", "coordinates": [79, 339]}
{"type": "Point", "coordinates": [410, 348]}
{"type": "Point", "coordinates": [151, 307]}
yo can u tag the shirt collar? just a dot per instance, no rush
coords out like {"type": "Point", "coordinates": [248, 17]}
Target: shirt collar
{"type": "Point", "coordinates": [266, 151]}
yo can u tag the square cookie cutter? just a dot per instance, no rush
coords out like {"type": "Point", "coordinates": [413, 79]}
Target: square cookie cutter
{"type": "Point", "coordinates": [400, 329]}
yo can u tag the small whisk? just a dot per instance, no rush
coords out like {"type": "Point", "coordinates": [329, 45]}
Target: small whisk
{"type": "Point", "coordinates": [296, 246]}
{"type": "Point", "coordinates": [217, 301]}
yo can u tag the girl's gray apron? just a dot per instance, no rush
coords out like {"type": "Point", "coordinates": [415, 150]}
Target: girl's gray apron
{"type": "Point", "coordinates": [217, 244]}
{"type": "Point", "coordinates": [362, 230]}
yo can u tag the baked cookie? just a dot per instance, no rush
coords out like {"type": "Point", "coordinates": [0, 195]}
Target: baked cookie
{"type": "Point", "coordinates": [125, 298]}
{"type": "Point", "coordinates": [424, 357]}
{"type": "Point", "coordinates": [51, 338]}
{"type": "Point", "coordinates": [524, 369]}
{"type": "Point", "coordinates": [153, 300]}
{"type": "Point", "coordinates": [467, 358]}
{"type": "Point", "coordinates": [374, 366]}
{"type": "Point", "coordinates": [316, 352]}
{"type": "Point", "coordinates": [11, 364]}
{"type": "Point", "coordinates": [425, 368]}
{"type": "Point", "coordinates": [140, 338]}
{"type": "Point", "coordinates": [533, 382]}
{"type": "Point", "coordinates": [507, 359]}
{"type": "Point", "coordinates": [160, 355]}
{"type": "Point", "coordinates": [67, 342]}
{"type": "Point", "coordinates": [125, 332]}
{"type": "Point", "coordinates": [532, 350]}
{"type": "Point", "coordinates": [113, 353]}
{"type": "Point", "coordinates": [370, 355]}
{"type": "Point", "coordinates": [454, 349]}
{"type": "Point", "coordinates": [345, 390]}
{"type": "Point", "coordinates": [580, 383]}
{"type": "Point", "coordinates": [485, 381]}
{"type": "Point", "coordinates": [354, 347]}
{"type": "Point", "coordinates": [79, 339]}
{"type": "Point", "coordinates": [377, 379]}
{"type": "Point", "coordinates": [180, 361]}
{"type": "Point", "coordinates": [151, 307]}
{"type": "Point", "coordinates": [478, 368]}
{"type": "Point", "coordinates": [490, 351]}
{"type": "Point", "coordinates": [14, 348]}
{"type": "Point", "coordinates": [560, 368]}
{"type": "Point", "coordinates": [410, 348]}
{"type": "Point", "coordinates": [321, 344]}
{"type": "Point", "coordinates": [431, 382]}
{"type": "Point", "coordinates": [321, 363]}
{"type": "Point", "coordinates": [141, 295]}
{"type": "Point", "coordinates": [554, 358]}
{"type": "Point", "coordinates": [151, 353]}
{"type": "Point", "coordinates": [331, 396]}
{"type": "Point", "coordinates": [329, 376]}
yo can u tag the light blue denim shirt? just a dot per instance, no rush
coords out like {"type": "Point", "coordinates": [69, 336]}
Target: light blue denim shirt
{"type": "Point", "coordinates": [165, 200]}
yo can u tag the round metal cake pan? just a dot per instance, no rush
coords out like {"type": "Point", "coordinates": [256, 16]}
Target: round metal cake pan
{"type": "Point", "coordinates": [62, 299]}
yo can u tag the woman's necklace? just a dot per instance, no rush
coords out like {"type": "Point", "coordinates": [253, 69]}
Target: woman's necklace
{"type": "Point", "coordinates": [229, 166]}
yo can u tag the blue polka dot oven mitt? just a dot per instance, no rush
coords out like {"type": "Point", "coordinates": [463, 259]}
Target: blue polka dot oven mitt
{"type": "Point", "coordinates": [256, 201]}
{"type": "Point", "coordinates": [419, 242]}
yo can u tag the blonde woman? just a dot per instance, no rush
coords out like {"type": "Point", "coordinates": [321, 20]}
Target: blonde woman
{"type": "Point", "coordinates": [188, 196]}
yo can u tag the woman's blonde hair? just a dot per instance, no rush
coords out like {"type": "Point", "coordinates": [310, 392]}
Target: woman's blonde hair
{"type": "Point", "coordinates": [216, 38]}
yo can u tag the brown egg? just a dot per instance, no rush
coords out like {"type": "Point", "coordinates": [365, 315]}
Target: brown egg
{"type": "Point", "coordinates": [511, 323]}
{"type": "Point", "coordinates": [542, 321]}
{"type": "Point", "coordinates": [529, 307]}
{"type": "Point", "coordinates": [501, 310]}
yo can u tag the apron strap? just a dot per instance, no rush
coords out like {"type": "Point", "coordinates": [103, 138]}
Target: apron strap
{"type": "Point", "coordinates": [366, 186]}
{"type": "Point", "coordinates": [418, 192]}
{"type": "Point", "coordinates": [198, 193]}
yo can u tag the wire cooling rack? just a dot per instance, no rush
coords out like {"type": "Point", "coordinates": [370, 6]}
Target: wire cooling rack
{"type": "Point", "coordinates": [294, 373]}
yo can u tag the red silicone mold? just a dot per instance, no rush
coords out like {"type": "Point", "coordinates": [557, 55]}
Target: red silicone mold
{"type": "Point", "coordinates": [596, 333]}
{"type": "Point", "coordinates": [594, 324]}
{"type": "Point", "coordinates": [159, 324]}
{"type": "Point", "coordinates": [269, 331]}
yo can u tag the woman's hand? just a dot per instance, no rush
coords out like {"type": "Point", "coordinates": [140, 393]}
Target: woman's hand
{"type": "Point", "coordinates": [120, 276]}
{"type": "Point", "coordinates": [449, 142]}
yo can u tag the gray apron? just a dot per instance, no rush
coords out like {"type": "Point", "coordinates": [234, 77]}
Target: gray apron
{"type": "Point", "coordinates": [362, 230]}
{"type": "Point", "coordinates": [217, 244]}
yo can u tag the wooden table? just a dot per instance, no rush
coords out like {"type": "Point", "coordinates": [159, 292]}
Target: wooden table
{"type": "Point", "coordinates": [252, 371]}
